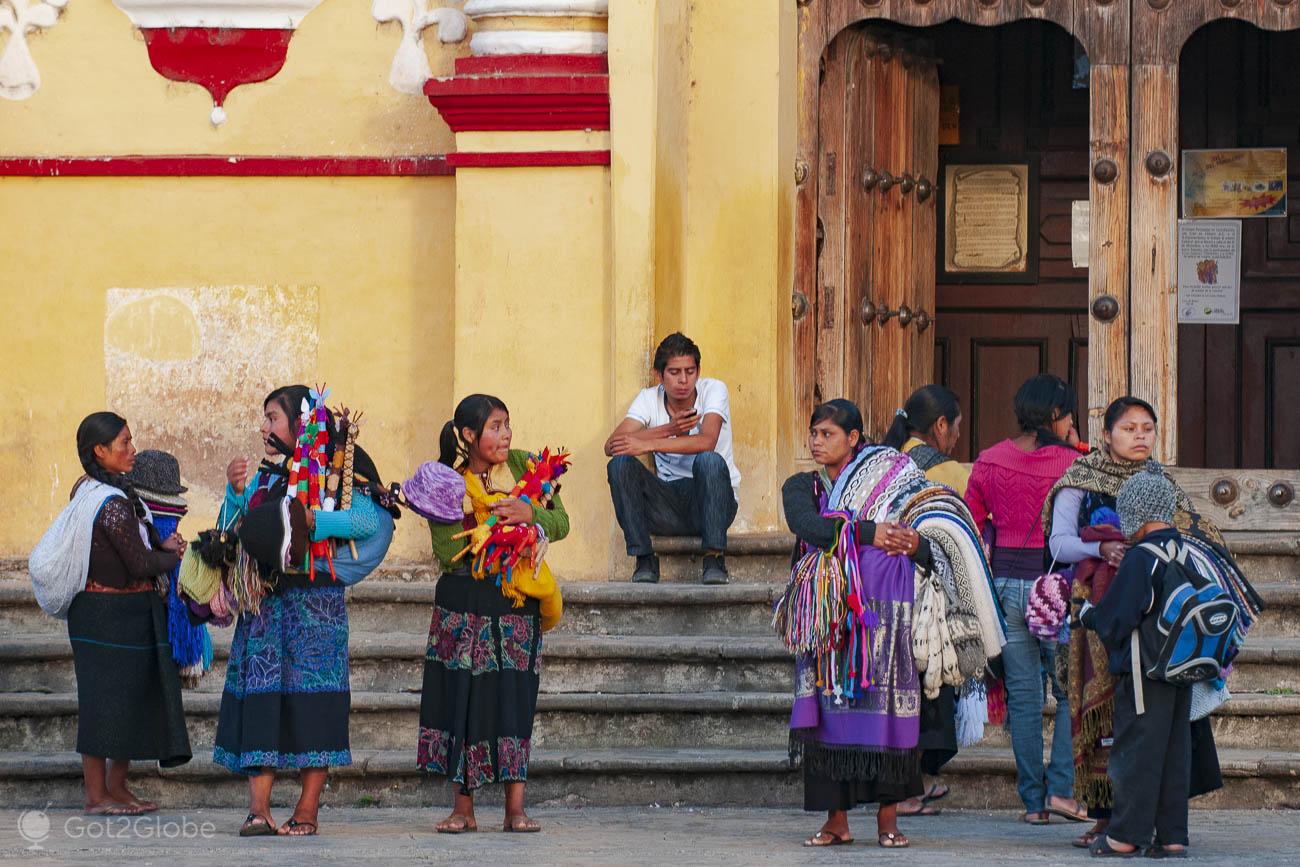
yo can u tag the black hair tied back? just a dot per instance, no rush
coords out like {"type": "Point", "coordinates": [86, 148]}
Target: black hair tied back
{"type": "Point", "coordinates": [100, 429]}
{"type": "Point", "coordinates": [473, 413]}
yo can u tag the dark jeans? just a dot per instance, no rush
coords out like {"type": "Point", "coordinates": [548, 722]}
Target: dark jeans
{"type": "Point", "coordinates": [701, 506]}
{"type": "Point", "coordinates": [1150, 763]}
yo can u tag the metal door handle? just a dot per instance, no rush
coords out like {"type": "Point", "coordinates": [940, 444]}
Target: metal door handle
{"type": "Point", "coordinates": [867, 311]}
{"type": "Point", "coordinates": [923, 321]}
{"type": "Point", "coordinates": [905, 315]}
{"type": "Point", "coordinates": [886, 181]}
{"type": "Point", "coordinates": [905, 183]}
{"type": "Point", "coordinates": [798, 306]}
{"type": "Point", "coordinates": [886, 314]}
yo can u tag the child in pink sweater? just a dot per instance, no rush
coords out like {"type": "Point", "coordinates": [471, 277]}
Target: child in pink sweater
{"type": "Point", "coordinates": [1008, 486]}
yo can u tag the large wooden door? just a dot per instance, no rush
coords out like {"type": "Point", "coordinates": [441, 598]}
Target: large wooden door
{"type": "Point", "coordinates": [1237, 385]}
{"type": "Point", "coordinates": [872, 302]}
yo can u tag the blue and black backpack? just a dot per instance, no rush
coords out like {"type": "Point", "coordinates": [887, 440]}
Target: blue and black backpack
{"type": "Point", "coordinates": [1191, 632]}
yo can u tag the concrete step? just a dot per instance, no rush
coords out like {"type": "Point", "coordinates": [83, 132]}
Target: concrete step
{"type": "Point", "coordinates": [1248, 721]}
{"type": "Point", "coordinates": [980, 777]}
{"type": "Point", "coordinates": [570, 663]}
{"type": "Point", "coordinates": [390, 720]}
{"type": "Point", "coordinates": [1281, 614]}
{"type": "Point", "coordinates": [590, 608]}
{"type": "Point", "coordinates": [762, 558]}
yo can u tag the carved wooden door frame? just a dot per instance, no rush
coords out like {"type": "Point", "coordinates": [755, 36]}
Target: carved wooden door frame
{"type": "Point", "coordinates": [1102, 27]}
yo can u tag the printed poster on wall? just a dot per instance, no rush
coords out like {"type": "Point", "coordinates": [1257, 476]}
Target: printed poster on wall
{"type": "Point", "coordinates": [1245, 182]}
{"type": "Point", "coordinates": [1209, 272]}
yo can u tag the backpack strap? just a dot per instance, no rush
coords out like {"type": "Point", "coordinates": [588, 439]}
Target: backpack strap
{"type": "Point", "coordinates": [926, 457]}
{"type": "Point", "coordinates": [1138, 700]}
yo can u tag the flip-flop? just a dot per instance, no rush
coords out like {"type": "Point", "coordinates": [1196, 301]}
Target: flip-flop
{"type": "Point", "coordinates": [1081, 816]}
{"type": "Point", "coordinates": [1159, 851]}
{"type": "Point", "coordinates": [893, 840]}
{"type": "Point", "coordinates": [450, 825]}
{"type": "Point", "coordinates": [114, 809]}
{"type": "Point", "coordinates": [831, 840]}
{"type": "Point", "coordinates": [1101, 848]}
{"type": "Point", "coordinates": [924, 810]}
{"type": "Point", "coordinates": [146, 806]}
{"type": "Point", "coordinates": [1084, 840]}
{"type": "Point", "coordinates": [1040, 818]}
{"type": "Point", "coordinates": [294, 823]}
{"type": "Point", "coordinates": [929, 797]}
{"type": "Point", "coordinates": [257, 826]}
{"type": "Point", "coordinates": [520, 825]}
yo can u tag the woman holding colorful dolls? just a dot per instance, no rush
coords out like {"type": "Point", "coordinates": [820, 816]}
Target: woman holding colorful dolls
{"type": "Point", "coordinates": [492, 512]}
{"type": "Point", "coordinates": [313, 518]}
{"type": "Point", "coordinates": [880, 551]}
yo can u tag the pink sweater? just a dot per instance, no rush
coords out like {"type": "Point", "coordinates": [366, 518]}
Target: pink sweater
{"type": "Point", "coordinates": [1009, 486]}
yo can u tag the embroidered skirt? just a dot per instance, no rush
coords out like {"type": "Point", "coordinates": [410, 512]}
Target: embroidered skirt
{"type": "Point", "coordinates": [286, 699]}
{"type": "Point", "coordinates": [128, 689]}
{"type": "Point", "coordinates": [480, 684]}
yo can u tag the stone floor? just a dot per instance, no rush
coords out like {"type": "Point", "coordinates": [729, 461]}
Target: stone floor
{"type": "Point", "coordinates": [606, 836]}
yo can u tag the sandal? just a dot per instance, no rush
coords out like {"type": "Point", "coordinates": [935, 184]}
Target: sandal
{"type": "Point", "coordinates": [1040, 818]}
{"type": "Point", "coordinates": [1084, 840]}
{"type": "Point", "coordinates": [521, 824]}
{"type": "Point", "coordinates": [937, 792]}
{"type": "Point", "coordinates": [922, 807]}
{"type": "Point", "coordinates": [1101, 848]}
{"type": "Point", "coordinates": [290, 829]}
{"type": "Point", "coordinates": [826, 838]}
{"type": "Point", "coordinates": [257, 826]}
{"type": "Point", "coordinates": [893, 840]}
{"type": "Point", "coordinates": [112, 808]}
{"type": "Point", "coordinates": [146, 806]}
{"type": "Point", "coordinates": [456, 823]}
{"type": "Point", "coordinates": [1079, 815]}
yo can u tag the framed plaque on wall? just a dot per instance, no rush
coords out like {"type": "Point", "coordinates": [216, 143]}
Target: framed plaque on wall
{"type": "Point", "coordinates": [987, 219]}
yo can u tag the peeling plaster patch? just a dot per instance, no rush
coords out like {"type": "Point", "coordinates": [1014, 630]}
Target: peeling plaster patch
{"type": "Point", "coordinates": [188, 368]}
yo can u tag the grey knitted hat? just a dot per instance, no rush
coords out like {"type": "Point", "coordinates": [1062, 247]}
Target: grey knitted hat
{"type": "Point", "coordinates": [1147, 496]}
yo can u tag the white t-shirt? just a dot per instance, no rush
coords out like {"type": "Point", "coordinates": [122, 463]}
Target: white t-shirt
{"type": "Point", "coordinates": [650, 408]}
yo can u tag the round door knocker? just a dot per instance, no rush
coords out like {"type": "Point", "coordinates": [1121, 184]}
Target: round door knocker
{"type": "Point", "coordinates": [798, 306]}
{"type": "Point", "coordinates": [1105, 171]}
{"type": "Point", "coordinates": [923, 321]}
{"type": "Point", "coordinates": [1105, 309]}
{"type": "Point", "coordinates": [1159, 164]}
{"type": "Point", "coordinates": [1281, 494]}
{"type": "Point", "coordinates": [870, 177]}
{"type": "Point", "coordinates": [905, 315]}
{"type": "Point", "coordinates": [905, 183]}
{"type": "Point", "coordinates": [867, 312]}
{"type": "Point", "coordinates": [1157, 4]}
{"type": "Point", "coordinates": [800, 172]}
{"type": "Point", "coordinates": [1224, 491]}
{"type": "Point", "coordinates": [887, 182]}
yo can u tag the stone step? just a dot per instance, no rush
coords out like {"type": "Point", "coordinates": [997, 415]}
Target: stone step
{"type": "Point", "coordinates": [1281, 614]}
{"type": "Point", "coordinates": [390, 720]}
{"type": "Point", "coordinates": [1248, 721]}
{"type": "Point", "coordinates": [570, 663]}
{"type": "Point", "coordinates": [586, 663]}
{"type": "Point", "coordinates": [762, 558]}
{"type": "Point", "coordinates": [980, 777]}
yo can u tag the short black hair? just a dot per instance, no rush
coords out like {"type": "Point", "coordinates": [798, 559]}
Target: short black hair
{"type": "Point", "coordinates": [844, 414]}
{"type": "Point", "coordinates": [1039, 402]}
{"type": "Point", "coordinates": [1120, 405]}
{"type": "Point", "coordinates": [672, 346]}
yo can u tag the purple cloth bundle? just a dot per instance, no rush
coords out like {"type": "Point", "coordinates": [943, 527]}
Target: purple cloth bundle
{"type": "Point", "coordinates": [436, 492]}
{"type": "Point", "coordinates": [1048, 603]}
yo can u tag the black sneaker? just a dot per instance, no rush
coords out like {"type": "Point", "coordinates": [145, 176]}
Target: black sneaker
{"type": "Point", "coordinates": [647, 569]}
{"type": "Point", "coordinates": [715, 569]}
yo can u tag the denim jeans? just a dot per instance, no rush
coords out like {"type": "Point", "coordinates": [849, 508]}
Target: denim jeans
{"type": "Point", "coordinates": [703, 505]}
{"type": "Point", "coordinates": [1027, 662]}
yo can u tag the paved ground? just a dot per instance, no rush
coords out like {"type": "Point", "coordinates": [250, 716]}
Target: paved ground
{"type": "Point", "coordinates": [609, 836]}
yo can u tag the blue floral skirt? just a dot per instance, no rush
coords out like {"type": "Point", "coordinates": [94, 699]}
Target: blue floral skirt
{"type": "Point", "coordinates": [480, 684]}
{"type": "Point", "coordinates": [286, 699]}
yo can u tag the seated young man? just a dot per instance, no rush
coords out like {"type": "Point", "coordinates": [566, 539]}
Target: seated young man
{"type": "Point", "coordinates": [685, 422]}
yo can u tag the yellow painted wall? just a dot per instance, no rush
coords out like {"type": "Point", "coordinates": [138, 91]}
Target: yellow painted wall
{"type": "Point", "coordinates": [100, 95]}
{"type": "Point", "coordinates": [376, 254]}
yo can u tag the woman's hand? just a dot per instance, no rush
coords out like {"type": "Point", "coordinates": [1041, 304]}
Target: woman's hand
{"type": "Point", "coordinates": [895, 539]}
{"type": "Point", "coordinates": [175, 544]}
{"type": "Point", "coordinates": [1113, 552]}
{"type": "Point", "coordinates": [237, 474]}
{"type": "Point", "coordinates": [513, 510]}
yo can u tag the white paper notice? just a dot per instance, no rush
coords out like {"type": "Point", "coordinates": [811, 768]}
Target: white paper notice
{"type": "Point", "coordinates": [1209, 271]}
{"type": "Point", "coordinates": [1080, 217]}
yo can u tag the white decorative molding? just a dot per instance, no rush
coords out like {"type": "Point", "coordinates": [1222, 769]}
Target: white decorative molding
{"type": "Point", "coordinates": [19, 77]}
{"type": "Point", "coordinates": [495, 42]}
{"type": "Point", "coordinates": [567, 8]}
{"type": "Point", "coordinates": [410, 69]}
{"type": "Point", "coordinates": [232, 14]}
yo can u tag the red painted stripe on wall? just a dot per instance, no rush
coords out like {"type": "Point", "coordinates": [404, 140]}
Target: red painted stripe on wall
{"type": "Point", "coordinates": [200, 166]}
{"type": "Point", "coordinates": [526, 159]}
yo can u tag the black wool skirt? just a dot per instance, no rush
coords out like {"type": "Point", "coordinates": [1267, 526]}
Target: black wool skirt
{"type": "Point", "coordinates": [938, 741]}
{"type": "Point", "coordinates": [480, 684]}
{"type": "Point", "coordinates": [128, 689]}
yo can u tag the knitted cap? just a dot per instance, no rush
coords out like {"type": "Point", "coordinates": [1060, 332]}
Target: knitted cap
{"type": "Point", "coordinates": [1146, 497]}
{"type": "Point", "coordinates": [436, 492]}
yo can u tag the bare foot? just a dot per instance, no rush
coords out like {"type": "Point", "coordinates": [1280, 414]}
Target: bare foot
{"type": "Point", "coordinates": [519, 823]}
{"type": "Point", "coordinates": [300, 825]}
{"type": "Point", "coordinates": [126, 796]}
